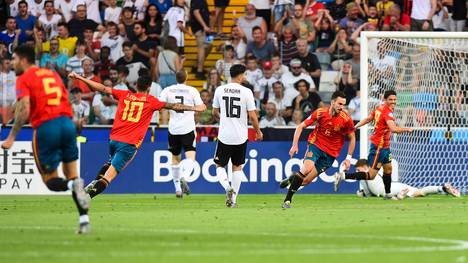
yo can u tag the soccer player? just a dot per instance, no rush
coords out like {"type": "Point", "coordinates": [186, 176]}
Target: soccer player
{"type": "Point", "coordinates": [181, 127]}
{"type": "Point", "coordinates": [332, 126]}
{"type": "Point", "coordinates": [233, 103]}
{"type": "Point", "coordinates": [134, 112]}
{"type": "Point", "coordinates": [379, 152]}
{"type": "Point", "coordinates": [376, 187]}
{"type": "Point", "coordinates": [43, 99]}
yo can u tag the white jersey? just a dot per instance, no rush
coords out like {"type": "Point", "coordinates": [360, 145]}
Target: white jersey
{"type": "Point", "coordinates": [233, 101]}
{"type": "Point", "coordinates": [376, 187]}
{"type": "Point", "coordinates": [181, 123]}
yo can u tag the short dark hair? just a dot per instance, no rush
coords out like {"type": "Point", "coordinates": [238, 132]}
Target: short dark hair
{"type": "Point", "coordinates": [140, 23]}
{"type": "Point", "coordinates": [144, 82]}
{"type": "Point", "coordinates": [296, 84]}
{"type": "Point", "coordinates": [27, 52]}
{"type": "Point", "coordinates": [361, 162]}
{"type": "Point", "coordinates": [127, 44]}
{"type": "Point", "coordinates": [23, 2]}
{"type": "Point", "coordinates": [338, 94]}
{"type": "Point", "coordinates": [122, 69]}
{"type": "Point", "coordinates": [237, 70]}
{"type": "Point", "coordinates": [65, 25]}
{"type": "Point", "coordinates": [389, 93]}
{"type": "Point", "coordinates": [143, 72]}
{"type": "Point", "coordinates": [256, 28]}
{"type": "Point", "coordinates": [181, 76]}
{"type": "Point", "coordinates": [11, 17]}
{"type": "Point", "coordinates": [48, 1]}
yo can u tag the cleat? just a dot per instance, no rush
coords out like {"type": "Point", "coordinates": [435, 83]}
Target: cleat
{"type": "Point", "coordinates": [90, 187]}
{"type": "Point", "coordinates": [85, 228]}
{"type": "Point", "coordinates": [184, 186]}
{"type": "Point", "coordinates": [451, 190]}
{"type": "Point", "coordinates": [403, 194]}
{"type": "Point", "coordinates": [234, 205]}
{"type": "Point", "coordinates": [339, 177]}
{"type": "Point", "coordinates": [286, 182]}
{"type": "Point", "coordinates": [229, 193]}
{"type": "Point", "coordinates": [390, 197]}
{"type": "Point", "coordinates": [286, 205]}
{"type": "Point", "coordinates": [82, 197]}
{"type": "Point", "coordinates": [179, 194]}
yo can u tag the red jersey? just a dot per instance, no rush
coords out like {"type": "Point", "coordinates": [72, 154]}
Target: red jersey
{"type": "Point", "coordinates": [133, 116]}
{"type": "Point", "coordinates": [48, 95]}
{"type": "Point", "coordinates": [313, 9]}
{"type": "Point", "coordinates": [381, 135]}
{"type": "Point", "coordinates": [330, 131]}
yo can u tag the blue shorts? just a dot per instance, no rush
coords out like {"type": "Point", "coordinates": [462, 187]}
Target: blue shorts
{"type": "Point", "coordinates": [378, 156]}
{"type": "Point", "coordinates": [321, 159]}
{"type": "Point", "coordinates": [54, 141]}
{"type": "Point", "coordinates": [121, 154]}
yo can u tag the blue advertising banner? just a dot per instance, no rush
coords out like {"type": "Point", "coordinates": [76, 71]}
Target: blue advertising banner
{"type": "Point", "coordinates": [267, 163]}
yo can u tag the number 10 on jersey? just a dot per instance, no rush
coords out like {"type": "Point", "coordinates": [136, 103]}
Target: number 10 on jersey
{"type": "Point", "coordinates": [232, 110]}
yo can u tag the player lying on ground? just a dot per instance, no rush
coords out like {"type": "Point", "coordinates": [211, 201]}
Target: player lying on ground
{"type": "Point", "coordinates": [43, 99]}
{"type": "Point", "coordinates": [134, 112]}
{"type": "Point", "coordinates": [332, 126]}
{"type": "Point", "coordinates": [376, 187]}
{"type": "Point", "coordinates": [379, 152]}
{"type": "Point", "coordinates": [181, 128]}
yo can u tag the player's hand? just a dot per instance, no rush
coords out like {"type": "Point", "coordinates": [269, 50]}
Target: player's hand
{"type": "Point", "coordinates": [8, 143]}
{"type": "Point", "coordinates": [409, 130]}
{"type": "Point", "coordinates": [294, 149]}
{"type": "Point", "coordinates": [259, 135]}
{"type": "Point", "coordinates": [346, 164]}
{"type": "Point", "coordinates": [73, 75]}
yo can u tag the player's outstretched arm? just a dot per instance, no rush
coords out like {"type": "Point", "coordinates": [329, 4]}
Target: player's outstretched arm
{"type": "Point", "coordinates": [96, 86]}
{"type": "Point", "coordinates": [364, 121]}
{"type": "Point", "coordinates": [297, 134]}
{"type": "Point", "coordinates": [181, 107]}
{"type": "Point", "coordinates": [254, 119]}
{"type": "Point", "coordinates": [200, 108]}
{"type": "Point", "coordinates": [395, 129]}
{"type": "Point", "coordinates": [22, 112]}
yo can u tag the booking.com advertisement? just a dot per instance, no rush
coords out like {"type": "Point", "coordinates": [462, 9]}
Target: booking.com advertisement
{"type": "Point", "coordinates": [267, 163]}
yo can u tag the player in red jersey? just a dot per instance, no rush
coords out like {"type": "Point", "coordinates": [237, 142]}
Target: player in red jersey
{"type": "Point", "coordinates": [134, 112]}
{"type": "Point", "coordinates": [42, 98]}
{"type": "Point", "coordinates": [332, 125]}
{"type": "Point", "coordinates": [379, 152]}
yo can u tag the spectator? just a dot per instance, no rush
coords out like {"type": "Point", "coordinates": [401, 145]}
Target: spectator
{"type": "Point", "coordinates": [25, 22]}
{"type": "Point", "coordinates": [251, 20]}
{"type": "Point", "coordinates": [287, 45]}
{"type": "Point", "coordinates": [113, 40]}
{"type": "Point", "coordinates": [346, 83]}
{"type": "Point", "coordinates": [4, 50]}
{"type": "Point", "coordinates": [354, 107]}
{"type": "Point", "coordinates": [112, 12]}
{"type": "Point", "coordinates": [114, 75]}
{"type": "Point", "coordinates": [297, 118]}
{"type": "Point", "coordinates": [155, 91]}
{"type": "Point", "coordinates": [199, 22]}
{"type": "Point", "coordinates": [153, 22]}
{"type": "Point", "coordinates": [103, 66]}
{"type": "Point", "coordinates": [253, 74]}
{"type": "Point", "coordinates": [55, 60]}
{"type": "Point", "coordinates": [122, 83]}
{"type": "Point", "coordinates": [261, 48]}
{"type": "Point", "coordinates": [88, 72]}
{"type": "Point", "coordinates": [282, 8]}
{"type": "Point", "coordinates": [10, 35]}
{"type": "Point", "coordinates": [168, 63]}
{"type": "Point", "coordinates": [92, 9]}
{"type": "Point", "coordinates": [271, 118]}
{"type": "Point", "coordinates": [371, 14]}
{"type": "Point", "coordinates": [176, 20]}
{"type": "Point", "coordinates": [325, 36]}
{"type": "Point", "coordinates": [459, 15]}
{"type": "Point", "coordinates": [131, 61]}
{"type": "Point", "coordinates": [213, 81]}
{"type": "Point", "coordinates": [80, 108]}
{"type": "Point", "coordinates": [7, 90]}
{"type": "Point", "coordinates": [67, 43]}
{"type": "Point", "coordinates": [368, 26]}
{"type": "Point", "coordinates": [352, 21]}
{"type": "Point", "coordinates": [440, 20]}
{"type": "Point", "coordinates": [396, 21]}
{"type": "Point", "coordinates": [304, 27]}
{"type": "Point", "coordinates": [383, 6]}
{"type": "Point", "coordinates": [337, 9]}
{"type": "Point", "coordinates": [263, 10]}
{"type": "Point", "coordinates": [12, 7]}
{"type": "Point", "coordinates": [93, 46]}
{"type": "Point", "coordinates": [127, 23]}
{"type": "Point", "coordinates": [309, 61]}
{"type": "Point", "coordinates": [237, 40]}
{"type": "Point", "coordinates": [263, 88]}
{"type": "Point", "coordinates": [290, 78]}
{"type": "Point", "coordinates": [206, 117]}
{"type": "Point", "coordinates": [220, 8]}
{"type": "Point", "coordinates": [307, 101]}
{"type": "Point", "coordinates": [49, 21]}
{"type": "Point", "coordinates": [224, 65]}
{"type": "Point", "coordinates": [163, 5]}
{"type": "Point", "coordinates": [138, 7]}
{"type": "Point", "coordinates": [355, 62]}
{"type": "Point", "coordinates": [64, 8]}
{"type": "Point", "coordinates": [313, 8]}
{"type": "Point", "coordinates": [283, 104]}
{"type": "Point", "coordinates": [143, 46]}
{"type": "Point", "coordinates": [75, 63]}
{"type": "Point", "coordinates": [36, 7]}
{"type": "Point", "coordinates": [103, 107]}
{"type": "Point", "coordinates": [278, 68]}
{"type": "Point", "coordinates": [80, 22]}
{"type": "Point", "coordinates": [422, 12]}
{"type": "Point", "coordinates": [340, 50]}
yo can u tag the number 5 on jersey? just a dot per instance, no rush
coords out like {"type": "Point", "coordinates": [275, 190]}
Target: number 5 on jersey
{"type": "Point", "coordinates": [50, 87]}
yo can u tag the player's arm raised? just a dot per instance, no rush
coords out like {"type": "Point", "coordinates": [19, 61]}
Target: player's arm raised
{"type": "Point", "coordinates": [395, 129]}
{"type": "Point", "coordinates": [364, 121]}
{"type": "Point", "coordinates": [95, 86]}
{"type": "Point", "coordinates": [22, 112]}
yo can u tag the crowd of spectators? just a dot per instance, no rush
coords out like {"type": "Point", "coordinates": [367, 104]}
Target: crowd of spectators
{"type": "Point", "coordinates": [286, 46]}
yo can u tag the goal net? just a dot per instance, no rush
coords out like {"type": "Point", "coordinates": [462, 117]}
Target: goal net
{"type": "Point", "coordinates": [429, 72]}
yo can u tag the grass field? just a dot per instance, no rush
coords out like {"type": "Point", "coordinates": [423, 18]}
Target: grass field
{"type": "Point", "coordinates": [161, 228]}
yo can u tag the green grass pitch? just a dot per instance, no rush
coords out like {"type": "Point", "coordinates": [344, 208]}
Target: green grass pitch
{"type": "Point", "coordinates": [199, 228]}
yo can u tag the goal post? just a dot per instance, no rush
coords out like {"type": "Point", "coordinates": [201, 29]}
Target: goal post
{"type": "Point", "coordinates": [429, 72]}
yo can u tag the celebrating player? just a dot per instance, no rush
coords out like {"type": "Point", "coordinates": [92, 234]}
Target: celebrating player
{"type": "Point", "coordinates": [43, 98]}
{"type": "Point", "coordinates": [376, 187]}
{"type": "Point", "coordinates": [379, 153]}
{"type": "Point", "coordinates": [181, 127]}
{"type": "Point", "coordinates": [134, 112]}
{"type": "Point", "coordinates": [332, 125]}
{"type": "Point", "coordinates": [232, 103]}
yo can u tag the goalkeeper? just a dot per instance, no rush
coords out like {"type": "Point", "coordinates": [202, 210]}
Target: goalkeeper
{"type": "Point", "coordinates": [400, 190]}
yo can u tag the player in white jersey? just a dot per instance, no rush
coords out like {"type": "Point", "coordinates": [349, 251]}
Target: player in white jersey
{"type": "Point", "coordinates": [233, 103]}
{"type": "Point", "coordinates": [400, 190]}
{"type": "Point", "coordinates": [181, 127]}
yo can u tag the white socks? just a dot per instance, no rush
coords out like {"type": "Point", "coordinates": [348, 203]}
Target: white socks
{"type": "Point", "coordinates": [70, 185]}
{"type": "Point", "coordinates": [176, 177]}
{"type": "Point", "coordinates": [432, 190]}
{"type": "Point", "coordinates": [84, 219]}
{"type": "Point", "coordinates": [222, 177]}
{"type": "Point", "coordinates": [236, 183]}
